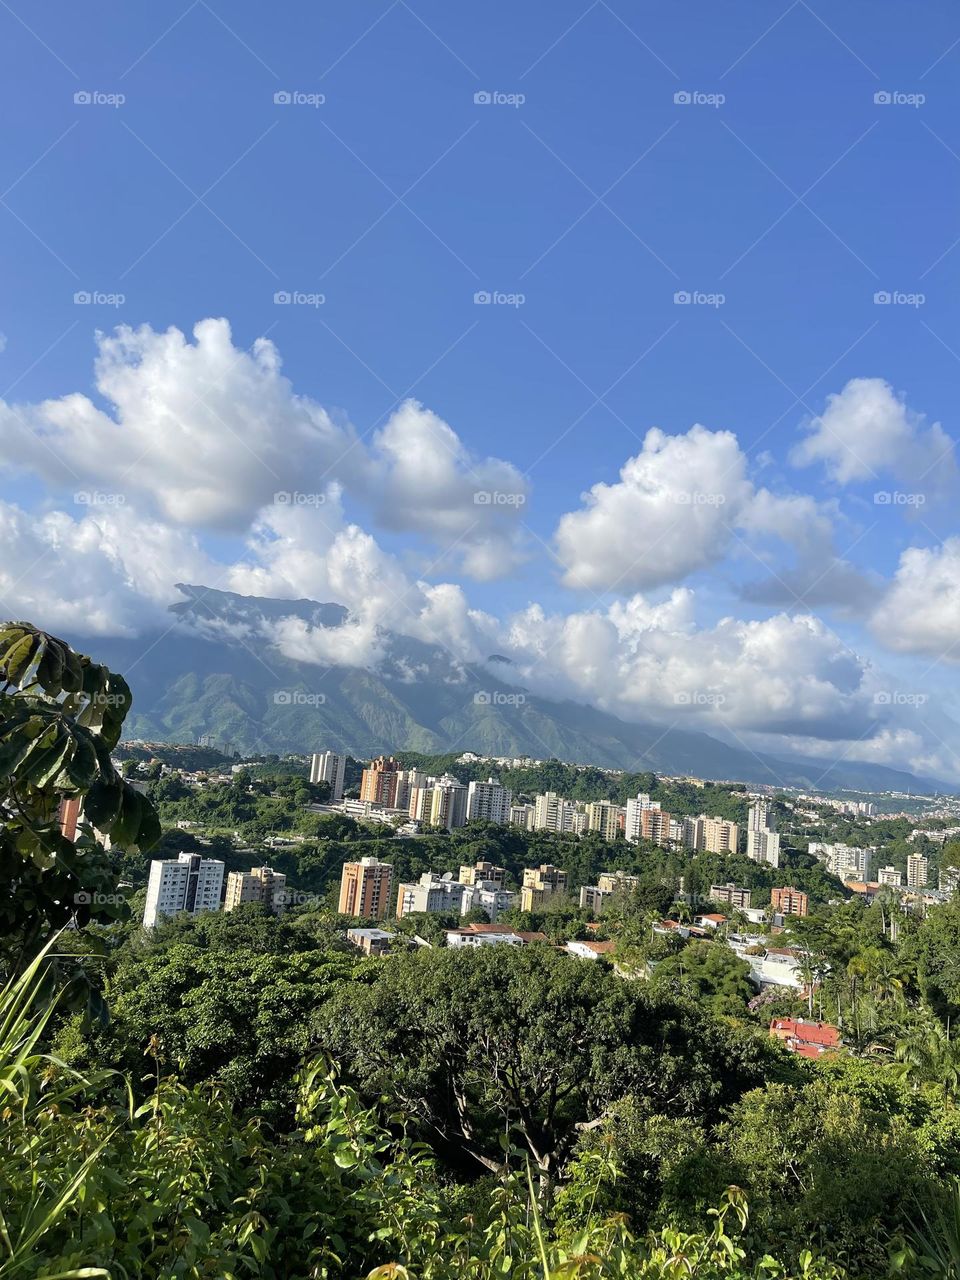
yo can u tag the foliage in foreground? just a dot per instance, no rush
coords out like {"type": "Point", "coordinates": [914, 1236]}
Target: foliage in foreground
{"type": "Point", "coordinates": [179, 1186]}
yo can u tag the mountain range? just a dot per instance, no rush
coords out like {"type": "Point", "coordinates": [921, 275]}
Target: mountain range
{"type": "Point", "coordinates": [215, 671]}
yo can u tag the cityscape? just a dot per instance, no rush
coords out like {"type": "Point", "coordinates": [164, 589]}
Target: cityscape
{"type": "Point", "coordinates": [479, 637]}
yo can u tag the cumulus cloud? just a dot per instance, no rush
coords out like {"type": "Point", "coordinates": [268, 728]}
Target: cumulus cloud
{"type": "Point", "coordinates": [920, 611]}
{"type": "Point", "coordinates": [207, 435]}
{"type": "Point", "coordinates": [867, 431]}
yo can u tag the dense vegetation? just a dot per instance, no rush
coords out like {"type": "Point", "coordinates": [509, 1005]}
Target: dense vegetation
{"type": "Point", "coordinates": [246, 1095]}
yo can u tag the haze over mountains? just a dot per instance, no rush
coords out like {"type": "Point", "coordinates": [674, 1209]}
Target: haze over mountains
{"type": "Point", "coordinates": [216, 671]}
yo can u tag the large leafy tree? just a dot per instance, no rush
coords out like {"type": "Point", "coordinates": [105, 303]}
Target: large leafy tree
{"type": "Point", "coordinates": [529, 1045]}
{"type": "Point", "coordinates": [61, 715]}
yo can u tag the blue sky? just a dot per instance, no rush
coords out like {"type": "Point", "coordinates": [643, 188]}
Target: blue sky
{"type": "Point", "coordinates": [784, 186]}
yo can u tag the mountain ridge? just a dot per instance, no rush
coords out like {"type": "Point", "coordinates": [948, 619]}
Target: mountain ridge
{"type": "Point", "coordinates": [215, 673]}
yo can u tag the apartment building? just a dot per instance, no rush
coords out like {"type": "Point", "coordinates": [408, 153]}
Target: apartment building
{"type": "Point", "coordinates": [949, 879]}
{"type": "Point", "coordinates": [327, 766]}
{"type": "Point", "coordinates": [890, 876]}
{"type": "Point", "coordinates": [763, 840]}
{"type": "Point", "coordinates": [732, 895]}
{"type": "Point", "coordinates": [483, 872]}
{"type": "Point", "coordinates": [605, 818]}
{"type": "Point", "coordinates": [593, 898]}
{"type": "Point", "coordinates": [434, 894]}
{"type": "Point", "coordinates": [552, 813]}
{"type": "Point", "coordinates": [522, 815]}
{"type": "Point", "coordinates": [645, 820]}
{"type": "Point", "coordinates": [365, 889]}
{"type": "Point", "coordinates": [617, 882]}
{"type": "Point", "coordinates": [189, 883]}
{"type": "Point", "coordinates": [488, 802]}
{"type": "Point", "coordinates": [408, 781]}
{"type": "Point", "coordinates": [540, 884]}
{"type": "Point", "coordinates": [787, 901]}
{"type": "Point", "coordinates": [261, 884]}
{"type": "Point", "coordinates": [843, 860]}
{"type": "Point", "coordinates": [714, 835]}
{"type": "Point", "coordinates": [379, 782]}
{"type": "Point", "coordinates": [918, 871]}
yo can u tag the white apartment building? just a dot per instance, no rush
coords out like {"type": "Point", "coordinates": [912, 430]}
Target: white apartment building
{"type": "Point", "coordinates": [434, 894]}
{"type": "Point", "coordinates": [522, 815]}
{"type": "Point", "coordinates": [439, 802]}
{"type": "Point", "coordinates": [327, 766]}
{"type": "Point", "coordinates": [553, 813]}
{"type": "Point", "coordinates": [763, 840]}
{"type": "Point", "coordinates": [843, 860]}
{"type": "Point", "coordinates": [890, 876]}
{"type": "Point", "coordinates": [492, 898]}
{"type": "Point", "coordinates": [645, 820]}
{"type": "Point", "coordinates": [488, 801]}
{"type": "Point", "coordinates": [190, 883]}
{"type": "Point", "coordinates": [918, 871]}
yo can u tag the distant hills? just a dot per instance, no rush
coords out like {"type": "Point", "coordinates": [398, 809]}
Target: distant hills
{"type": "Point", "coordinates": [215, 672]}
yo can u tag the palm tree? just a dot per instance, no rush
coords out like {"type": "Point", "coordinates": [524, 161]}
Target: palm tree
{"type": "Point", "coordinates": [928, 1054]}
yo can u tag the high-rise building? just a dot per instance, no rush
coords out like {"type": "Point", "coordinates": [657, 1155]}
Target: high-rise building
{"type": "Point", "coordinates": [731, 894]}
{"type": "Point", "coordinates": [593, 898]}
{"type": "Point", "coordinates": [448, 805]}
{"type": "Point", "coordinates": [408, 780]}
{"type": "Point", "coordinates": [488, 802]}
{"type": "Point", "coordinates": [522, 815]}
{"type": "Point", "coordinates": [604, 817]}
{"type": "Point", "coordinates": [918, 871]}
{"type": "Point", "coordinates": [789, 902]}
{"type": "Point", "coordinates": [540, 884]}
{"type": "Point", "coordinates": [483, 872]}
{"type": "Point", "coordinates": [435, 894]}
{"type": "Point", "coordinates": [553, 813]}
{"type": "Point", "coordinates": [365, 889]}
{"type": "Point", "coordinates": [379, 782]}
{"type": "Point", "coordinates": [763, 841]}
{"type": "Point", "coordinates": [261, 884]}
{"type": "Point", "coordinates": [645, 820]}
{"type": "Point", "coordinates": [714, 835]}
{"type": "Point", "coordinates": [327, 766]}
{"type": "Point", "coordinates": [189, 883]}
{"type": "Point", "coordinates": [843, 860]}
{"type": "Point", "coordinates": [949, 879]}
{"type": "Point", "coordinates": [890, 876]}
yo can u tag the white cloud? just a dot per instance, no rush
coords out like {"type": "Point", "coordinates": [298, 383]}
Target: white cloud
{"type": "Point", "coordinates": [867, 431]}
{"type": "Point", "coordinates": [920, 611]}
{"type": "Point", "coordinates": [669, 515]}
{"type": "Point", "coordinates": [206, 434]}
